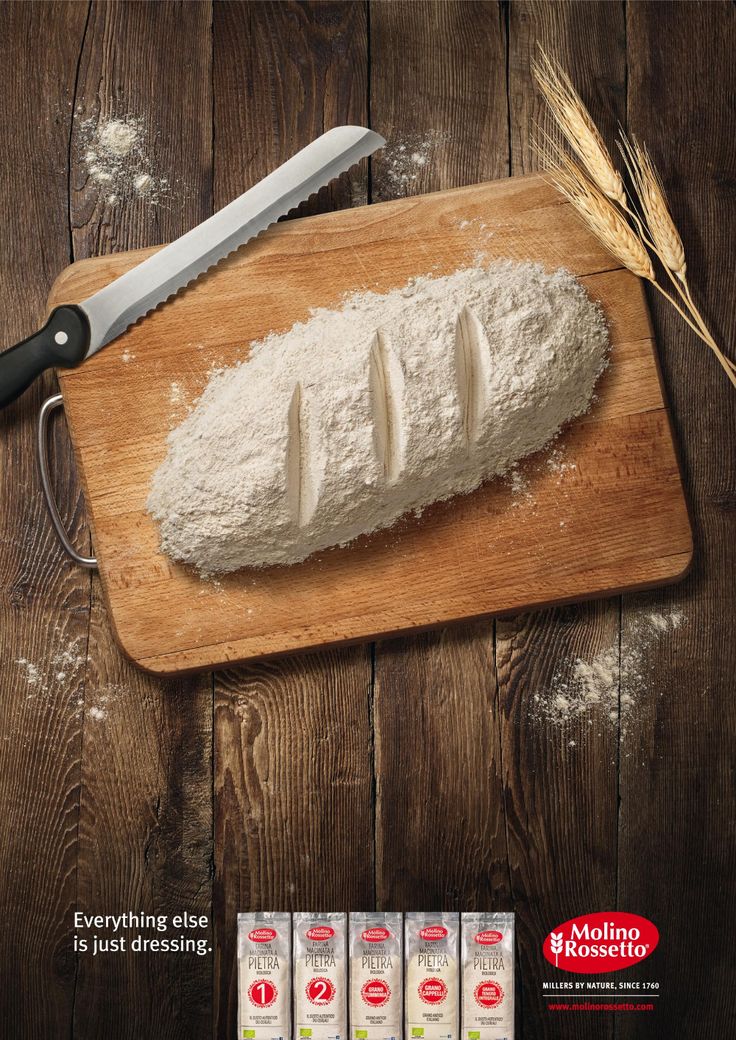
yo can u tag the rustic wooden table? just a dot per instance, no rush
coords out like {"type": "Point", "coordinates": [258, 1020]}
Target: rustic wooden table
{"type": "Point", "coordinates": [408, 773]}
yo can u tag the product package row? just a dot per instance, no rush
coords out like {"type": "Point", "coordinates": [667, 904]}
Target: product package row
{"type": "Point", "coordinates": [375, 976]}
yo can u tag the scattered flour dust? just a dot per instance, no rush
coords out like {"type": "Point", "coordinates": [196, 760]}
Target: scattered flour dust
{"type": "Point", "coordinates": [60, 668]}
{"type": "Point", "coordinates": [116, 155]}
{"type": "Point", "coordinates": [370, 412]}
{"type": "Point", "coordinates": [403, 161]}
{"type": "Point", "coordinates": [606, 687]}
{"type": "Point", "coordinates": [59, 671]}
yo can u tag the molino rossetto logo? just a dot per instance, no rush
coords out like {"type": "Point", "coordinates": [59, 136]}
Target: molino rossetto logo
{"type": "Point", "coordinates": [600, 942]}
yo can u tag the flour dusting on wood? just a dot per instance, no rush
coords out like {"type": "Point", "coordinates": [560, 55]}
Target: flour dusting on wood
{"type": "Point", "coordinates": [607, 687]}
{"type": "Point", "coordinates": [117, 156]}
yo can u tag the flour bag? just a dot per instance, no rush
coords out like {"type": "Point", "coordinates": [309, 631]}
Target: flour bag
{"type": "Point", "coordinates": [264, 976]}
{"type": "Point", "coordinates": [376, 972]}
{"type": "Point", "coordinates": [431, 991]}
{"type": "Point", "coordinates": [488, 976]}
{"type": "Point", "coordinates": [320, 976]}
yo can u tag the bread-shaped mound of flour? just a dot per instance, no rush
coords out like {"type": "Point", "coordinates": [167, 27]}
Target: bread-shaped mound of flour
{"type": "Point", "coordinates": [348, 421]}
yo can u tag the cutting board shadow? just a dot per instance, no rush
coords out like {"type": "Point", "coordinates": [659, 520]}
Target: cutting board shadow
{"type": "Point", "coordinates": [602, 512]}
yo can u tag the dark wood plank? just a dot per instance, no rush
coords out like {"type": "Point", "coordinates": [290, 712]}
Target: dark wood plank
{"type": "Point", "coordinates": [293, 780]}
{"type": "Point", "coordinates": [145, 833]}
{"type": "Point", "coordinates": [560, 781]}
{"type": "Point", "coordinates": [677, 794]}
{"type": "Point", "coordinates": [44, 601]}
{"type": "Point", "coordinates": [438, 95]}
{"type": "Point", "coordinates": [440, 829]}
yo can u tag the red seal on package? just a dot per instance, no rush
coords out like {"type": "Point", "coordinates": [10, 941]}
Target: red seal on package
{"type": "Point", "coordinates": [262, 993]}
{"type": "Point", "coordinates": [320, 991]}
{"type": "Point", "coordinates": [488, 994]}
{"type": "Point", "coordinates": [320, 933]}
{"type": "Point", "coordinates": [262, 935]}
{"type": "Point", "coordinates": [376, 935]}
{"type": "Point", "coordinates": [375, 992]}
{"type": "Point", "coordinates": [433, 933]}
{"type": "Point", "coordinates": [432, 991]}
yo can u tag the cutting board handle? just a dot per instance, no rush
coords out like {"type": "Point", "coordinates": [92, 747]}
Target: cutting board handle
{"type": "Point", "coordinates": [47, 408]}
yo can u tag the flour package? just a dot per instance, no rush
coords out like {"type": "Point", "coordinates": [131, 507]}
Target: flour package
{"type": "Point", "coordinates": [488, 976]}
{"type": "Point", "coordinates": [264, 976]}
{"type": "Point", "coordinates": [320, 976]}
{"type": "Point", "coordinates": [431, 990]}
{"type": "Point", "coordinates": [376, 974]}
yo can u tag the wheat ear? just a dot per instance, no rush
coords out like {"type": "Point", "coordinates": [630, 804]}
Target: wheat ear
{"type": "Point", "coordinates": [581, 133]}
{"type": "Point", "coordinates": [604, 219]}
{"type": "Point", "coordinates": [666, 241]}
{"type": "Point", "coordinates": [595, 189]}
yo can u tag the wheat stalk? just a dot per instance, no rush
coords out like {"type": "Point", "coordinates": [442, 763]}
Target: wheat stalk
{"type": "Point", "coordinates": [579, 130]}
{"type": "Point", "coordinates": [665, 238]}
{"type": "Point", "coordinates": [655, 211]}
{"type": "Point", "coordinates": [595, 188]}
{"type": "Point", "coordinates": [604, 220]}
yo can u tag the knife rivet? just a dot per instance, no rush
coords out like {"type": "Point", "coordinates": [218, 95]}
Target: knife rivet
{"type": "Point", "coordinates": [61, 338]}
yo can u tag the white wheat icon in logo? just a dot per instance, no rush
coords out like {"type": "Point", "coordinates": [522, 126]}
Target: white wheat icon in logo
{"type": "Point", "coordinates": [555, 941]}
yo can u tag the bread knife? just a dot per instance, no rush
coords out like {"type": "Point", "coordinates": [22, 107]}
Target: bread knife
{"type": "Point", "coordinates": [74, 332]}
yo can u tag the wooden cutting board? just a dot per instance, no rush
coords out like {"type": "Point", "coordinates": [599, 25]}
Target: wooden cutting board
{"type": "Point", "coordinates": [603, 513]}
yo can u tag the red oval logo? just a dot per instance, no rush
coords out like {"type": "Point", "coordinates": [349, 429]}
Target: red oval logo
{"type": "Point", "coordinates": [606, 941]}
{"type": "Point", "coordinates": [376, 934]}
{"type": "Point", "coordinates": [262, 935]}
{"type": "Point", "coordinates": [320, 933]}
{"type": "Point", "coordinates": [433, 933]}
{"type": "Point", "coordinates": [489, 938]}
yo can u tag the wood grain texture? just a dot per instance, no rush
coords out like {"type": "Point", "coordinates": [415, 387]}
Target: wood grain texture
{"type": "Point", "coordinates": [474, 804]}
{"type": "Point", "coordinates": [561, 782]}
{"type": "Point", "coordinates": [437, 735]}
{"type": "Point", "coordinates": [44, 602]}
{"type": "Point", "coordinates": [438, 92]}
{"type": "Point", "coordinates": [678, 802]}
{"type": "Point", "coordinates": [293, 779]}
{"type": "Point", "coordinates": [145, 830]}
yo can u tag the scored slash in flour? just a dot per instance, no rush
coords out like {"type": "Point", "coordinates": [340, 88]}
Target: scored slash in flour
{"type": "Point", "coordinates": [362, 414]}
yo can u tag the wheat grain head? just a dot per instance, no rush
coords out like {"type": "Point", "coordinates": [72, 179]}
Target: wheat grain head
{"type": "Point", "coordinates": [653, 204]}
{"type": "Point", "coordinates": [575, 122]}
{"type": "Point", "coordinates": [603, 218]}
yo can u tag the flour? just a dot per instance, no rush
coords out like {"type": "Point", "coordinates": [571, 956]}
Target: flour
{"type": "Point", "coordinates": [116, 155]}
{"type": "Point", "coordinates": [402, 162]}
{"type": "Point", "coordinates": [264, 975]}
{"type": "Point", "coordinates": [118, 137]}
{"type": "Point", "coordinates": [60, 668]}
{"type": "Point", "coordinates": [374, 410]}
{"type": "Point", "coordinates": [487, 976]}
{"type": "Point", "coordinates": [607, 686]}
{"type": "Point", "coordinates": [431, 991]}
{"type": "Point", "coordinates": [320, 976]}
{"type": "Point", "coordinates": [376, 971]}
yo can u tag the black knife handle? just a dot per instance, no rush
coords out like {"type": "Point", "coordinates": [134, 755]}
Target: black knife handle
{"type": "Point", "coordinates": [62, 343]}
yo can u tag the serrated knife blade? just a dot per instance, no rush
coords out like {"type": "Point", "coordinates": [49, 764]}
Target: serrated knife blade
{"type": "Point", "coordinates": [76, 332]}
{"type": "Point", "coordinates": [111, 310]}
